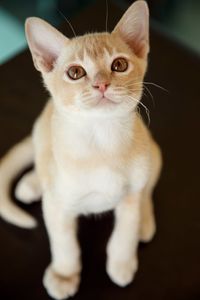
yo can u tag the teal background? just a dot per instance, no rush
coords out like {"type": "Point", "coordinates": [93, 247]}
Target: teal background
{"type": "Point", "coordinates": [179, 18]}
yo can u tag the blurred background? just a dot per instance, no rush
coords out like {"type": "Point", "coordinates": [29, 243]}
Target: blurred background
{"type": "Point", "coordinates": [177, 18]}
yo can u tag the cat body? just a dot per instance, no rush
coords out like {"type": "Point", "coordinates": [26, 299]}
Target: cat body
{"type": "Point", "coordinates": [91, 149]}
{"type": "Point", "coordinates": [92, 177]}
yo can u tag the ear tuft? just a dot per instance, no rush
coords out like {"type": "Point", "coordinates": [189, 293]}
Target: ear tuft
{"type": "Point", "coordinates": [134, 28]}
{"type": "Point", "coordinates": [45, 43]}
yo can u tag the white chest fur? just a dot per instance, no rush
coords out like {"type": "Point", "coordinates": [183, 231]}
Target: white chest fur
{"type": "Point", "coordinates": [93, 191]}
{"type": "Point", "coordinates": [81, 189]}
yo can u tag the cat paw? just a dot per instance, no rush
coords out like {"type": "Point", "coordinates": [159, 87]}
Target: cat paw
{"type": "Point", "coordinates": [28, 189]}
{"type": "Point", "coordinates": [58, 286]}
{"type": "Point", "coordinates": [147, 230]}
{"type": "Point", "coordinates": [122, 272]}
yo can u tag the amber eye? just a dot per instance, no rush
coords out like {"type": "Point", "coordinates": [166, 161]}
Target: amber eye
{"type": "Point", "coordinates": [76, 72]}
{"type": "Point", "coordinates": [119, 65]}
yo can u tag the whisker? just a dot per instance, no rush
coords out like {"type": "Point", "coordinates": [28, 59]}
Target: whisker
{"type": "Point", "coordinates": [133, 91]}
{"type": "Point", "coordinates": [125, 90]}
{"type": "Point", "coordinates": [85, 94]}
{"type": "Point", "coordinates": [156, 85]}
{"type": "Point", "coordinates": [106, 15]}
{"type": "Point", "coordinates": [149, 92]}
{"type": "Point", "coordinates": [70, 25]}
{"type": "Point", "coordinates": [144, 83]}
{"type": "Point", "coordinates": [145, 94]}
{"type": "Point", "coordinates": [144, 106]}
{"type": "Point", "coordinates": [152, 83]}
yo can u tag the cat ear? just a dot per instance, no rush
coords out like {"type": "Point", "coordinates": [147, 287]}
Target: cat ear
{"type": "Point", "coordinates": [45, 43]}
{"type": "Point", "coordinates": [134, 28]}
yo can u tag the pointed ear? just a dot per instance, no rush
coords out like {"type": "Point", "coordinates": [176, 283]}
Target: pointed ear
{"type": "Point", "coordinates": [134, 28]}
{"type": "Point", "coordinates": [45, 43]}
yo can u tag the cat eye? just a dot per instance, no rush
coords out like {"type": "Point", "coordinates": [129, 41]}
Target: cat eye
{"type": "Point", "coordinates": [76, 72]}
{"type": "Point", "coordinates": [119, 65]}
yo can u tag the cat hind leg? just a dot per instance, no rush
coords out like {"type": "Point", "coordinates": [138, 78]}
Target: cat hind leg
{"type": "Point", "coordinates": [148, 224]}
{"type": "Point", "coordinates": [147, 219]}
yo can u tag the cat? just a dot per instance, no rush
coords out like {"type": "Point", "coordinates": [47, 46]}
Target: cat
{"type": "Point", "coordinates": [91, 149]}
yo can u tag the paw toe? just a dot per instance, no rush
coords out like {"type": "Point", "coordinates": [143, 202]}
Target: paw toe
{"type": "Point", "coordinates": [58, 286]}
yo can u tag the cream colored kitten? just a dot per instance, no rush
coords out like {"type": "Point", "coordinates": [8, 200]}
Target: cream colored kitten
{"type": "Point", "coordinates": [91, 150]}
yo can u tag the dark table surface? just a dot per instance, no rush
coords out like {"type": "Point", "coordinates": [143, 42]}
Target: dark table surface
{"type": "Point", "coordinates": [170, 264]}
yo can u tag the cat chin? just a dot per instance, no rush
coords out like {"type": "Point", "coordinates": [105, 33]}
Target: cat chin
{"type": "Point", "coordinates": [108, 111]}
{"type": "Point", "coordinates": [106, 107]}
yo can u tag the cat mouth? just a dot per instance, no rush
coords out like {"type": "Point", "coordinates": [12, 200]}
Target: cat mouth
{"type": "Point", "coordinates": [105, 101]}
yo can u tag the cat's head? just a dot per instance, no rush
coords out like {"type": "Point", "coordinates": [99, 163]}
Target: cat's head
{"type": "Point", "coordinates": [100, 72]}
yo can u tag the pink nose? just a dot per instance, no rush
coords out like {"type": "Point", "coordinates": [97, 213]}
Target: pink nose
{"type": "Point", "coordinates": [101, 86]}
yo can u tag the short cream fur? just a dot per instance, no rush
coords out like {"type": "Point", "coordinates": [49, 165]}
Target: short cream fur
{"type": "Point", "coordinates": [91, 153]}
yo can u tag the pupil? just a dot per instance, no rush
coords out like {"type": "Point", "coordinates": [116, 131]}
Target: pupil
{"type": "Point", "coordinates": [76, 73]}
{"type": "Point", "coordinates": [119, 65]}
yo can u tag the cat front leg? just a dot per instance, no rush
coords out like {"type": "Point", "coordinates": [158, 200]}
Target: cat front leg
{"type": "Point", "coordinates": [62, 276]}
{"type": "Point", "coordinates": [122, 262]}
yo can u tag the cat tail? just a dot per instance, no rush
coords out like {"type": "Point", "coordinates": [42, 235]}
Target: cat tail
{"type": "Point", "coordinates": [18, 158]}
